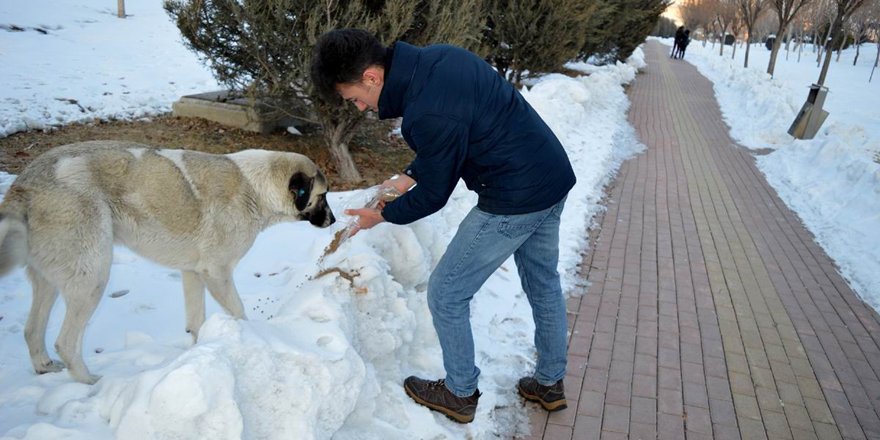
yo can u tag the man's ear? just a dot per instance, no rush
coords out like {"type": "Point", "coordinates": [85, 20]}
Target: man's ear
{"type": "Point", "coordinates": [373, 75]}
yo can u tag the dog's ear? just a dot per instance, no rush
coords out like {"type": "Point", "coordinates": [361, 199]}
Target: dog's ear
{"type": "Point", "coordinates": [300, 187]}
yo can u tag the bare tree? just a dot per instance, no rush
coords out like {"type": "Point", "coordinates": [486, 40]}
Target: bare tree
{"type": "Point", "coordinates": [845, 9]}
{"type": "Point", "coordinates": [725, 18]}
{"type": "Point", "coordinates": [797, 31]}
{"type": "Point", "coordinates": [863, 22]}
{"type": "Point", "coordinates": [876, 61]}
{"type": "Point", "coordinates": [765, 27]}
{"type": "Point", "coordinates": [821, 18]}
{"type": "Point", "coordinates": [750, 11]}
{"type": "Point", "coordinates": [786, 11]}
{"type": "Point", "coordinates": [874, 28]}
{"type": "Point", "coordinates": [698, 14]}
{"type": "Point", "coordinates": [736, 24]}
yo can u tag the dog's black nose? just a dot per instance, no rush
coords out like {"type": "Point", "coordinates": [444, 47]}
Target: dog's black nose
{"type": "Point", "coordinates": [322, 218]}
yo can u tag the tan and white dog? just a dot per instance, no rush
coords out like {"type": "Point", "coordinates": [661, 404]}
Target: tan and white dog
{"type": "Point", "coordinates": [192, 211]}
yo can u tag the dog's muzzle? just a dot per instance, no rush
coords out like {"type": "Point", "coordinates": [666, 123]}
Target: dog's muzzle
{"type": "Point", "coordinates": [321, 217]}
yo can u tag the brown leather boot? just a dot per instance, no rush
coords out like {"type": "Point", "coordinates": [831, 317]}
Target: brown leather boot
{"type": "Point", "coordinates": [436, 396]}
{"type": "Point", "coordinates": [552, 398]}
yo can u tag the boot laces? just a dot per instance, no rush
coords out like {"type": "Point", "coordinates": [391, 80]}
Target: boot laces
{"type": "Point", "coordinates": [441, 383]}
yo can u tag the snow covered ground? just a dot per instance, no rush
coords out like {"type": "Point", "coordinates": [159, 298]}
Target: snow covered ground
{"type": "Point", "coordinates": [831, 181]}
{"type": "Point", "coordinates": [89, 63]}
{"type": "Point", "coordinates": [319, 357]}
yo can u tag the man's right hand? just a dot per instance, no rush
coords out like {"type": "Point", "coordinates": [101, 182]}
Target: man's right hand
{"type": "Point", "coordinates": [366, 219]}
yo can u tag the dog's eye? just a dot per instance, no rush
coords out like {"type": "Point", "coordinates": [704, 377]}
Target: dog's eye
{"type": "Point", "coordinates": [301, 192]}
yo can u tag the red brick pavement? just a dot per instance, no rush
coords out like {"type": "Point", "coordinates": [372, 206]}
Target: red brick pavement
{"type": "Point", "coordinates": [711, 311]}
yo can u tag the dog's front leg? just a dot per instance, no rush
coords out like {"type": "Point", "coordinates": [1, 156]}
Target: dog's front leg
{"type": "Point", "coordinates": [194, 297]}
{"type": "Point", "coordinates": [223, 290]}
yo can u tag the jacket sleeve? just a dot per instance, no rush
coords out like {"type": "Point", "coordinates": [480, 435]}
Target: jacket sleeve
{"type": "Point", "coordinates": [441, 150]}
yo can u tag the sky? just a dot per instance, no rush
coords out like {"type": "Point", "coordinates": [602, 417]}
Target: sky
{"type": "Point", "coordinates": [318, 357]}
{"type": "Point", "coordinates": [324, 357]}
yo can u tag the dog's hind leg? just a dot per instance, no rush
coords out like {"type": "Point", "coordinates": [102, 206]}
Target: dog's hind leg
{"type": "Point", "coordinates": [44, 297]}
{"type": "Point", "coordinates": [194, 297]}
{"type": "Point", "coordinates": [81, 298]}
{"type": "Point", "coordinates": [82, 280]}
{"type": "Point", "coordinates": [223, 290]}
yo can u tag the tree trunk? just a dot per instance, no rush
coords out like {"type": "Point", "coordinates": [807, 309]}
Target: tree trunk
{"type": "Point", "coordinates": [339, 137]}
{"type": "Point", "coordinates": [825, 44]}
{"type": "Point", "coordinates": [733, 56]}
{"type": "Point", "coordinates": [339, 127]}
{"type": "Point", "coordinates": [858, 47]}
{"type": "Point", "coordinates": [120, 8]}
{"type": "Point", "coordinates": [829, 50]}
{"type": "Point", "coordinates": [828, 53]}
{"type": "Point", "coordinates": [876, 61]}
{"type": "Point", "coordinates": [800, 48]}
{"type": "Point", "coordinates": [774, 52]}
{"type": "Point", "coordinates": [840, 48]}
{"type": "Point", "coordinates": [748, 47]}
{"type": "Point", "coordinates": [788, 40]}
{"type": "Point", "coordinates": [788, 44]}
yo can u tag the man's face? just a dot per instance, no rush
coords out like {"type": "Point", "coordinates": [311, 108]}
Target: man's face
{"type": "Point", "coordinates": [364, 94]}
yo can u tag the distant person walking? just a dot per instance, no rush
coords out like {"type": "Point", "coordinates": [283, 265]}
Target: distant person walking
{"type": "Point", "coordinates": [683, 44]}
{"type": "Point", "coordinates": [679, 33]}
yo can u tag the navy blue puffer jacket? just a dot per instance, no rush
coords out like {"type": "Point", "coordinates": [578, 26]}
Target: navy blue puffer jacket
{"type": "Point", "coordinates": [464, 121]}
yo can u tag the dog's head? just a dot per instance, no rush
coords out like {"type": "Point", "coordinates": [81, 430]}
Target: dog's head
{"type": "Point", "coordinates": [288, 186]}
{"type": "Point", "coordinates": [309, 193]}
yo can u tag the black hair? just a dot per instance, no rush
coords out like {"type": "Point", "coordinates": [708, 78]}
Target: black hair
{"type": "Point", "coordinates": [341, 56]}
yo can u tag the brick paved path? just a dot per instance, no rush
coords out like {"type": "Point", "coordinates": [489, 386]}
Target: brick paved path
{"type": "Point", "coordinates": [712, 313]}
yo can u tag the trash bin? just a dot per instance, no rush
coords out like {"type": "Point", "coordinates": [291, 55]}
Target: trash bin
{"type": "Point", "coordinates": [808, 121]}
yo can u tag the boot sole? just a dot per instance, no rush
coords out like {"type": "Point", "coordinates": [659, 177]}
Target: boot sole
{"type": "Point", "coordinates": [557, 405]}
{"type": "Point", "coordinates": [460, 418]}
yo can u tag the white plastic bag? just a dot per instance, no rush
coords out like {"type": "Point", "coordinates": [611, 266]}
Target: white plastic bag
{"type": "Point", "coordinates": [369, 198]}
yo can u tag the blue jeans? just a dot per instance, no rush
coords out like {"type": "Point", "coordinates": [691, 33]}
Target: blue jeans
{"type": "Point", "coordinates": [483, 242]}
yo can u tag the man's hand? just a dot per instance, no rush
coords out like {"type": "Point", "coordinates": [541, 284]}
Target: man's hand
{"type": "Point", "coordinates": [402, 183]}
{"type": "Point", "coordinates": [367, 218]}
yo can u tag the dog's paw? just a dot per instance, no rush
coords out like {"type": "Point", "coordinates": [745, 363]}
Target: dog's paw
{"type": "Point", "coordinates": [50, 367]}
{"type": "Point", "coordinates": [88, 379]}
{"type": "Point", "coordinates": [194, 334]}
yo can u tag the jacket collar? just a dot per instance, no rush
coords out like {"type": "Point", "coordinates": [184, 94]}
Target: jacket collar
{"type": "Point", "coordinates": [392, 102]}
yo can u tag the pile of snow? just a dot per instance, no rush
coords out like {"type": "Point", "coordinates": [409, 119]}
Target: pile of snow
{"type": "Point", "coordinates": [320, 356]}
{"type": "Point", "coordinates": [831, 181]}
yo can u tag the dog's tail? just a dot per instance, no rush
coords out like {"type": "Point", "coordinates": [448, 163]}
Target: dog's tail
{"type": "Point", "coordinates": [13, 242]}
